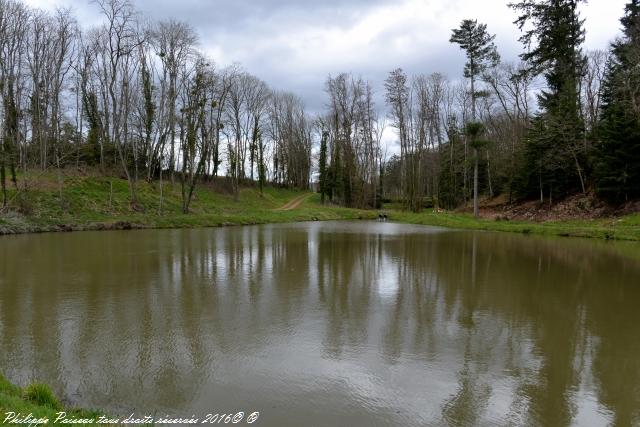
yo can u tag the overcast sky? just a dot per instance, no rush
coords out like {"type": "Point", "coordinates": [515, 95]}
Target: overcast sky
{"type": "Point", "coordinates": [295, 44]}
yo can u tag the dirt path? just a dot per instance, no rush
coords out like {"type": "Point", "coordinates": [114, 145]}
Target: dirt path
{"type": "Point", "coordinates": [293, 203]}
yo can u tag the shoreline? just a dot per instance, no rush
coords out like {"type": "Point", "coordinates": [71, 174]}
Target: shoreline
{"type": "Point", "coordinates": [614, 228]}
{"type": "Point", "coordinates": [95, 203]}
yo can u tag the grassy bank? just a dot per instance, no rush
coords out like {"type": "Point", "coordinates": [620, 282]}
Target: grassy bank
{"type": "Point", "coordinates": [94, 202]}
{"type": "Point", "coordinates": [618, 228]}
{"type": "Point", "coordinates": [37, 402]}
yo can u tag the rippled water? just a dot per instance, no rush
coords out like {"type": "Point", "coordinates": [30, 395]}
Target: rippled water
{"type": "Point", "coordinates": [323, 324]}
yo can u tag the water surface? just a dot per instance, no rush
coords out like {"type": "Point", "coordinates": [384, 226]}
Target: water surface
{"type": "Point", "coordinates": [325, 324]}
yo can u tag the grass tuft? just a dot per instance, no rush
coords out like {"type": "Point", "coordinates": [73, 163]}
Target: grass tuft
{"type": "Point", "coordinates": [40, 394]}
{"type": "Point", "coordinates": [38, 400]}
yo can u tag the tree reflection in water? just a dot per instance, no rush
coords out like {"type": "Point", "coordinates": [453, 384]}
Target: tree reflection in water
{"type": "Point", "coordinates": [373, 323]}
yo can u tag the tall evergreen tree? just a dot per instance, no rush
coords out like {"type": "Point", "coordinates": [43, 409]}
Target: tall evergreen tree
{"type": "Point", "coordinates": [555, 154]}
{"type": "Point", "coordinates": [617, 164]}
{"type": "Point", "coordinates": [324, 176]}
{"type": "Point", "coordinates": [481, 52]}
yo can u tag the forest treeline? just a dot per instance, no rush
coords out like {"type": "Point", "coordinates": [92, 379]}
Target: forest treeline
{"type": "Point", "coordinates": [142, 99]}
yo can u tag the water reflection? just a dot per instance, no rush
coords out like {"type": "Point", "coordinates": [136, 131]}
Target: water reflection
{"type": "Point", "coordinates": [343, 323]}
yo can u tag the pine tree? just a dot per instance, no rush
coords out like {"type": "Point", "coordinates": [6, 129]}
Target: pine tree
{"type": "Point", "coordinates": [323, 166]}
{"type": "Point", "coordinates": [481, 52]}
{"type": "Point", "coordinates": [450, 192]}
{"type": "Point", "coordinates": [555, 154]}
{"type": "Point", "coordinates": [618, 151]}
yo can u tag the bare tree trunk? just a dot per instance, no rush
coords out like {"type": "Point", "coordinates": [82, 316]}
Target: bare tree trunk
{"type": "Point", "coordinates": [3, 178]}
{"type": "Point", "coordinates": [489, 176]}
{"type": "Point", "coordinates": [579, 169]}
{"type": "Point", "coordinates": [160, 203]}
{"type": "Point", "coordinates": [540, 183]}
{"type": "Point", "coordinates": [476, 211]}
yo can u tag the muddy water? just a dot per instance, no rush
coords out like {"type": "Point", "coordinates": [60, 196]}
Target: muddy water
{"type": "Point", "coordinates": [338, 323]}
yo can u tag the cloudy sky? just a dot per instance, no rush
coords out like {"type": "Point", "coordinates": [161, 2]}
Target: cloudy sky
{"type": "Point", "coordinates": [296, 44]}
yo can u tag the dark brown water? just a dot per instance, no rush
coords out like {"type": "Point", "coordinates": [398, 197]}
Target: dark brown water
{"type": "Point", "coordinates": [323, 324]}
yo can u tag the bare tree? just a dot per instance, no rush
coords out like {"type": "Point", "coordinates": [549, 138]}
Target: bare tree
{"type": "Point", "coordinates": [14, 18]}
{"type": "Point", "coordinates": [595, 70]}
{"type": "Point", "coordinates": [121, 36]}
{"type": "Point", "coordinates": [174, 42]}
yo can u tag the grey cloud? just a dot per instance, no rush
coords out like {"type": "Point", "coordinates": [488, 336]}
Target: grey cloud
{"type": "Point", "coordinates": [295, 44]}
{"type": "Point", "coordinates": [229, 16]}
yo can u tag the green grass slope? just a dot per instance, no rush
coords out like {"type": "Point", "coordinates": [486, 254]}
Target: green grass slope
{"type": "Point", "coordinates": [94, 202]}
{"type": "Point", "coordinates": [91, 201]}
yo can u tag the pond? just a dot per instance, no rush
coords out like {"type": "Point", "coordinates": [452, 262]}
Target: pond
{"type": "Point", "coordinates": [328, 323]}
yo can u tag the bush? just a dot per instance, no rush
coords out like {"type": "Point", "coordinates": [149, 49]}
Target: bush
{"type": "Point", "coordinates": [23, 203]}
